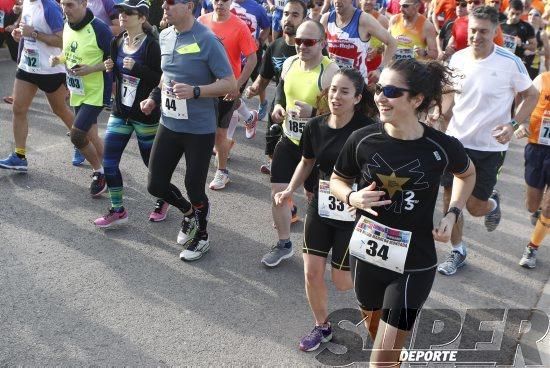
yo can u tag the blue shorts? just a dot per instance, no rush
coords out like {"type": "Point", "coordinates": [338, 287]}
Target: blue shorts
{"type": "Point", "coordinates": [276, 20]}
{"type": "Point", "coordinates": [86, 116]}
{"type": "Point", "coordinates": [537, 165]}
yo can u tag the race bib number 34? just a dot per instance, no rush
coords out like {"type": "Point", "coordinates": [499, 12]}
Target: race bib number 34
{"type": "Point", "coordinates": [380, 245]}
{"type": "Point", "coordinates": [330, 207]}
{"type": "Point", "coordinates": [171, 106]}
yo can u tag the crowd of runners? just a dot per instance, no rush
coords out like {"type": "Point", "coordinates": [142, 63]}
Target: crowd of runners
{"type": "Point", "coordinates": [377, 105]}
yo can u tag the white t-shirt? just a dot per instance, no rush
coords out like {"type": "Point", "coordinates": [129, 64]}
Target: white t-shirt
{"type": "Point", "coordinates": [44, 16]}
{"type": "Point", "coordinates": [485, 92]}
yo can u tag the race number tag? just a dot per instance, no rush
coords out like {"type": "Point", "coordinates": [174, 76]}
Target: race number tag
{"type": "Point", "coordinates": [280, 4]}
{"type": "Point", "coordinates": [128, 89]}
{"type": "Point", "coordinates": [171, 106]}
{"type": "Point", "coordinates": [30, 62]}
{"type": "Point", "coordinates": [295, 127]}
{"type": "Point", "coordinates": [75, 84]}
{"type": "Point", "coordinates": [406, 53]}
{"type": "Point", "coordinates": [544, 133]}
{"type": "Point", "coordinates": [2, 17]}
{"type": "Point", "coordinates": [510, 43]}
{"type": "Point", "coordinates": [330, 207]}
{"type": "Point", "coordinates": [380, 245]}
{"type": "Point", "coordinates": [342, 62]}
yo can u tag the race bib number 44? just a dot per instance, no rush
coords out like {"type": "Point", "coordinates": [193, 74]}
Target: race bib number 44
{"type": "Point", "coordinates": [171, 106]}
{"type": "Point", "coordinates": [380, 245]}
{"type": "Point", "coordinates": [330, 207]}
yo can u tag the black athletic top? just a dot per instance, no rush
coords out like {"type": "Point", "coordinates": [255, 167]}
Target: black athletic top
{"type": "Point", "coordinates": [323, 143]}
{"type": "Point", "coordinates": [409, 172]}
{"type": "Point", "coordinates": [274, 57]}
{"type": "Point", "coordinates": [525, 32]}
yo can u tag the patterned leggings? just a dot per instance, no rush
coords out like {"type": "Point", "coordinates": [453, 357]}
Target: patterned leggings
{"type": "Point", "coordinates": [119, 132]}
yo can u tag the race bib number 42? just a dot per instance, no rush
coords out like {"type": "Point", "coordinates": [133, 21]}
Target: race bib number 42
{"type": "Point", "coordinates": [330, 207]}
{"type": "Point", "coordinates": [380, 245]}
{"type": "Point", "coordinates": [171, 106]}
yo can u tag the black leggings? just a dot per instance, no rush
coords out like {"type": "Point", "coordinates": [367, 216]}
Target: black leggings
{"type": "Point", "coordinates": [168, 148]}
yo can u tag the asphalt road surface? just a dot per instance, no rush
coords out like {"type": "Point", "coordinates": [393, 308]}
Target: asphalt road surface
{"type": "Point", "coordinates": [74, 295]}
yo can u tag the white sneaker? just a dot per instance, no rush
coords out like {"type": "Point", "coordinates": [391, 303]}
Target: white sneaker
{"type": "Point", "coordinates": [195, 249]}
{"type": "Point", "coordinates": [188, 229]}
{"type": "Point", "coordinates": [250, 126]}
{"type": "Point", "coordinates": [219, 181]}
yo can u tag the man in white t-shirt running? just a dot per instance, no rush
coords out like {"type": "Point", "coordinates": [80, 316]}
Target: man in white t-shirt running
{"type": "Point", "coordinates": [486, 81]}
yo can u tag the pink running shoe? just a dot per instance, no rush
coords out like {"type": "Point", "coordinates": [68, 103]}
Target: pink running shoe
{"type": "Point", "coordinates": [250, 126]}
{"type": "Point", "coordinates": [112, 218]}
{"type": "Point", "coordinates": [160, 211]}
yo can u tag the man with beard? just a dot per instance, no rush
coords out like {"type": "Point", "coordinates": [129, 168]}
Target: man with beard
{"type": "Point", "coordinates": [294, 14]}
{"type": "Point", "coordinates": [349, 31]}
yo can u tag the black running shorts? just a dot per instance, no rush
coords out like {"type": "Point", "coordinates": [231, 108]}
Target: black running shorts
{"type": "Point", "coordinates": [48, 83]}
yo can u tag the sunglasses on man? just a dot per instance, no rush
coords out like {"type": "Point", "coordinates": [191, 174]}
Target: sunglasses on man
{"type": "Point", "coordinates": [307, 42]}
{"type": "Point", "coordinates": [174, 2]}
{"type": "Point", "coordinates": [390, 91]}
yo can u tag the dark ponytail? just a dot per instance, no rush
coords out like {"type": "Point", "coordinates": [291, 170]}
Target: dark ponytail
{"type": "Point", "coordinates": [430, 79]}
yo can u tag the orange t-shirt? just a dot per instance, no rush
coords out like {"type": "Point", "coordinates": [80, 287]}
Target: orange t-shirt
{"type": "Point", "coordinates": [235, 36]}
{"type": "Point", "coordinates": [448, 8]}
{"type": "Point", "coordinates": [460, 34]}
{"type": "Point", "coordinates": [542, 105]}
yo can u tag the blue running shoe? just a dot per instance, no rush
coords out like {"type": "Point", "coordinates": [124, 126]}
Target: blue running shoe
{"type": "Point", "coordinates": [14, 162]}
{"type": "Point", "coordinates": [313, 340]}
{"type": "Point", "coordinates": [262, 110]}
{"type": "Point", "coordinates": [78, 157]}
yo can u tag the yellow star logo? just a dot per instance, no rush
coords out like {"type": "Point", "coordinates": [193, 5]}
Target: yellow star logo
{"type": "Point", "coordinates": [392, 183]}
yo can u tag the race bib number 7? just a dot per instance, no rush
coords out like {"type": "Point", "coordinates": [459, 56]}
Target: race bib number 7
{"type": "Point", "coordinates": [380, 245]}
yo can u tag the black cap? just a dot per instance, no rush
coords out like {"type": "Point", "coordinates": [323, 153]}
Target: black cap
{"type": "Point", "coordinates": [141, 6]}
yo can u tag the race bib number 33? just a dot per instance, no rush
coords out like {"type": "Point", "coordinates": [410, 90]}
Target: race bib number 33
{"type": "Point", "coordinates": [380, 245]}
{"type": "Point", "coordinates": [332, 208]}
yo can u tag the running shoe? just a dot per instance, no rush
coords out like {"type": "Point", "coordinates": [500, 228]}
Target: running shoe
{"type": "Point", "coordinates": [14, 162]}
{"type": "Point", "coordinates": [188, 229]}
{"type": "Point", "coordinates": [78, 157]}
{"type": "Point", "coordinates": [529, 258]}
{"type": "Point", "coordinates": [318, 335]}
{"type": "Point", "coordinates": [535, 217]}
{"type": "Point", "coordinates": [266, 168]}
{"type": "Point", "coordinates": [8, 100]}
{"type": "Point", "coordinates": [262, 110]}
{"type": "Point", "coordinates": [160, 211]}
{"type": "Point", "coordinates": [250, 125]}
{"type": "Point", "coordinates": [99, 185]}
{"type": "Point", "coordinates": [220, 180]}
{"type": "Point", "coordinates": [112, 218]}
{"type": "Point", "coordinates": [277, 254]}
{"type": "Point", "coordinates": [195, 248]}
{"type": "Point", "coordinates": [454, 261]}
{"type": "Point", "coordinates": [492, 219]}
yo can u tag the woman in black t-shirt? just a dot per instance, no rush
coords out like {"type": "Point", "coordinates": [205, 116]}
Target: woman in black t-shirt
{"type": "Point", "coordinates": [329, 223]}
{"type": "Point", "coordinates": [398, 164]}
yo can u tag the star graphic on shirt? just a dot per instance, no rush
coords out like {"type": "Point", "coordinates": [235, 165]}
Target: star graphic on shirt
{"type": "Point", "coordinates": [392, 183]}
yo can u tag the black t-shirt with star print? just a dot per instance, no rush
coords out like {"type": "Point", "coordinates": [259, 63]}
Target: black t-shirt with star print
{"type": "Point", "coordinates": [409, 172]}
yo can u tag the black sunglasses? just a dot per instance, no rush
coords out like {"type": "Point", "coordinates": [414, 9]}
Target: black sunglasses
{"type": "Point", "coordinates": [390, 91]}
{"type": "Point", "coordinates": [405, 6]}
{"type": "Point", "coordinates": [306, 41]}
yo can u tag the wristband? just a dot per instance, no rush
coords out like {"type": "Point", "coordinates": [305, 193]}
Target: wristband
{"type": "Point", "coordinates": [155, 95]}
{"type": "Point", "coordinates": [456, 211]}
{"type": "Point", "coordinates": [515, 124]}
{"type": "Point", "coordinates": [347, 198]}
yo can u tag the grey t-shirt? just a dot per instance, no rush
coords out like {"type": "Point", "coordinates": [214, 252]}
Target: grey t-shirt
{"type": "Point", "coordinates": [196, 58]}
